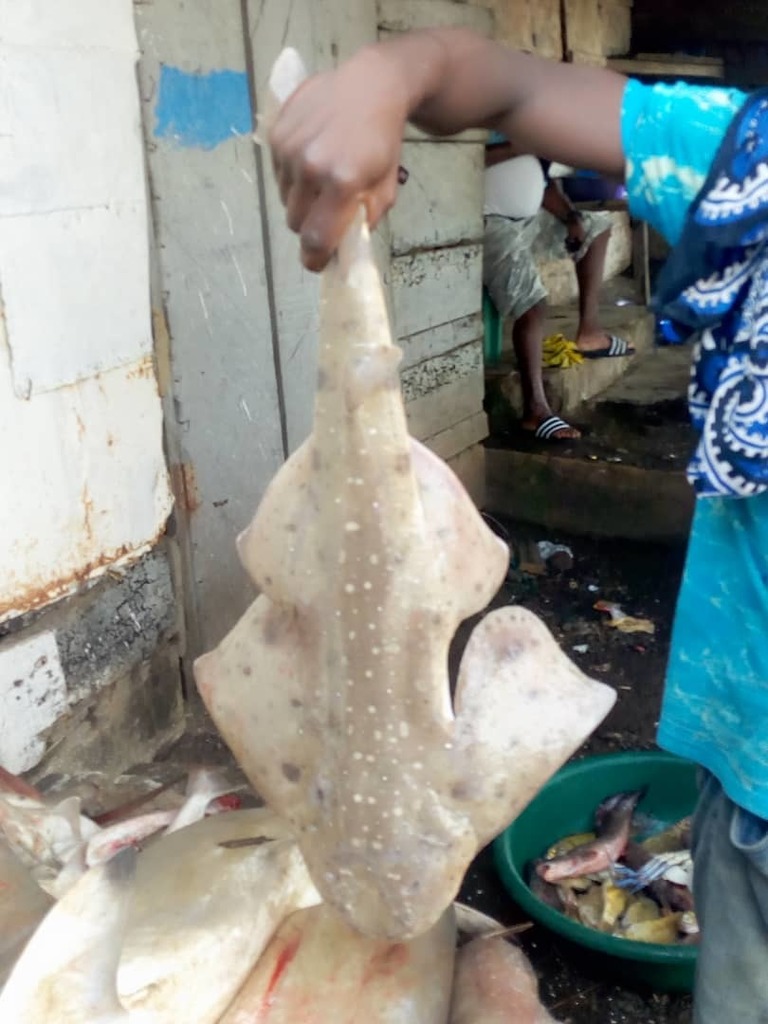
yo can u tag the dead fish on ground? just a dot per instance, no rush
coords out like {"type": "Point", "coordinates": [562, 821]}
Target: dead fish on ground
{"type": "Point", "coordinates": [68, 969]}
{"type": "Point", "coordinates": [23, 905]}
{"type": "Point", "coordinates": [612, 825]}
{"type": "Point", "coordinates": [203, 912]}
{"type": "Point", "coordinates": [317, 969]}
{"type": "Point", "coordinates": [495, 984]}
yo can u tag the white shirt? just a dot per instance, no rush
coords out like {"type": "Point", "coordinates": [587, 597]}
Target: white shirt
{"type": "Point", "coordinates": [514, 188]}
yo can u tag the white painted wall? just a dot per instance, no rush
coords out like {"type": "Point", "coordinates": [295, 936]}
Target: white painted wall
{"type": "Point", "coordinates": [83, 483]}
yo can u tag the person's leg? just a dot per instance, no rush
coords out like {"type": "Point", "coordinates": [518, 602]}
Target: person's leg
{"type": "Point", "coordinates": [512, 279]}
{"type": "Point", "coordinates": [731, 896]}
{"type": "Point", "coordinates": [589, 274]}
{"type": "Point", "coordinates": [591, 338]}
{"type": "Point", "coordinates": [528, 339]}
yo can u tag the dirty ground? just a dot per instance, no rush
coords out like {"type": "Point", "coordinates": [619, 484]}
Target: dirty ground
{"type": "Point", "coordinates": [644, 581]}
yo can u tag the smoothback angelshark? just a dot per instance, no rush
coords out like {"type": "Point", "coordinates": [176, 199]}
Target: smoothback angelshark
{"type": "Point", "coordinates": [333, 691]}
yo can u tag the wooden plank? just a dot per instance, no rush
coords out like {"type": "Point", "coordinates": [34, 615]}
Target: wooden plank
{"type": "Point", "coordinates": [450, 404]}
{"type": "Point", "coordinates": [641, 261]}
{"type": "Point", "coordinates": [442, 201]}
{"type": "Point", "coordinates": [456, 439]}
{"type": "Point", "coordinates": [210, 254]}
{"type": "Point", "coordinates": [405, 15]}
{"type": "Point", "coordinates": [435, 287]}
{"type": "Point", "coordinates": [530, 25]}
{"type": "Point", "coordinates": [432, 374]}
{"type": "Point", "coordinates": [672, 68]}
{"type": "Point", "coordinates": [438, 340]}
{"type": "Point", "coordinates": [324, 32]}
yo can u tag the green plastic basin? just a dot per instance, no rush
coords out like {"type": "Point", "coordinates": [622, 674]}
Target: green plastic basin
{"type": "Point", "coordinates": [566, 806]}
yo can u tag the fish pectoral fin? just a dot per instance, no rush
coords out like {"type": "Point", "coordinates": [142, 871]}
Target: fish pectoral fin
{"type": "Point", "coordinates": [254, 685]}
{"type": "Point", "coordinates": [276, 548]}
{"type": "Point", "coordinates": [468, 556]}
{"type": "Point", "coordinates": [522, 708]}
{"type": "Point", "coordinates": [371, 368]}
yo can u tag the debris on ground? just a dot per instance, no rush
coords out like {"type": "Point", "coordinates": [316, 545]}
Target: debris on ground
{"type": "Point", "coordinates": [623, 622]}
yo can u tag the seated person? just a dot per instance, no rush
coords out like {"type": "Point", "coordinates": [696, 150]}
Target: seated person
{"type": "Point", "coordinates": [528, 217]}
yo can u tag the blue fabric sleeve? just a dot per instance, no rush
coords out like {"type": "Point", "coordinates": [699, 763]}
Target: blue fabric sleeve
{"type": "Point", "coordinates": [670, 135]}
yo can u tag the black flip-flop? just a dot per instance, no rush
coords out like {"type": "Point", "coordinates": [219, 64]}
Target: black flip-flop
{"type": "Point", "coordinates": [617, 348]}
{"type": "Point", "coordinates": [549, 427]}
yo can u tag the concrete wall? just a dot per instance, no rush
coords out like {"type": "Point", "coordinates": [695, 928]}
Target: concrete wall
{"type": "Point", "coordinates": [85, 491]}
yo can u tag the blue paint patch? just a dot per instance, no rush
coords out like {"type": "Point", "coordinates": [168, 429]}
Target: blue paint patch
{"type": "Point", "coordinates": [202, 109]}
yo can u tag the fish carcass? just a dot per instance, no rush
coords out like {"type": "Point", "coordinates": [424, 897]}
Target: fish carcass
{"type": "Point", "coordinates": [333, 691]}
{"type": "Point", "coordinates": [23, 905]}
{"type": "Point", "coordinates": [319, 970]}
{"type": "Point", "coordinates": [207, 901]}
{"type": "Point", "coordinates": [495, 984]}
{"type": "Point", "coordinates": [68, 969]}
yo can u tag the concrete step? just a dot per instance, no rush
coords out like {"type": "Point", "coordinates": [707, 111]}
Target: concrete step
{"type": "Point", "coordinates": [568, 390]}
{"type": "Point", "coordinates": [625, 478]}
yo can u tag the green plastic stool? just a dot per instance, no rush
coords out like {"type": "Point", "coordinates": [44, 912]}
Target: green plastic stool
{"type": "Point", "coordinates": [492, 328]}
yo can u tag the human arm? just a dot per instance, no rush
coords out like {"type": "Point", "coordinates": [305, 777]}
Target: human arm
{"type": "Point", "coordinates": [337, 141]}
{"type": "Point", "coordinates": [559, 205]}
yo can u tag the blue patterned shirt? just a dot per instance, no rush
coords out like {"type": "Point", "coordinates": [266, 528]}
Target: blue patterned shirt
{"type": "Point", "coordinates": [715, 708]}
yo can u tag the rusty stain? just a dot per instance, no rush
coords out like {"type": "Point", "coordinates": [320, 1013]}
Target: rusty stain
{"type": "Point", "coordinates": [184, 485]}
{"type": "Point", "coordinates": [80, 426]}
{"type": "Point", "coordinates": [162, 337]}
{"type": "Point", "coordinates": [145, 369]}
{"type": "Point", "coordinates": [110, 441]}
{"type": "Point", "coordinates": [87, 503]}
{"type": "Point", "coordinates": [36, 594]}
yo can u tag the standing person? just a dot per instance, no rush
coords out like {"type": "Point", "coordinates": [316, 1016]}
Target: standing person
{"type": "Point", "coordinates": [527, 218]}
{"type": "Point", "coordinates": [695, 162]}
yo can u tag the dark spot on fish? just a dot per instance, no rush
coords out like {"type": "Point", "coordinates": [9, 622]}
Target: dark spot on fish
{"type": "Point", "coordinates": [437, 619]}
{"type": "Point", "coordinates": [268, 581]}
{"type": "Point", "coordinates": [478, 588]}
{"type": "Point", "coordinates": [402, 463]}
{"type": "Point", "coordinates": [533, 694]}
{"type": "Point", "coordinates": [240, 844]}
{"type": "Point", "coordinates": [320, 794]}
{"type": "Point", "coordinates": [317, 461]}
{"type": "Point", "coordinates": [322, 380]}
{"type": "Point", "coordinates": [291, 528]}
{"type": "Point", "coordinates": [292, 772]}
{"type": "Point", "coordinates": [501, 790]}
{"type": "Point", "coordinates": [247, 670]}
{"type": "Point", "coordinates": [460, 791]}
{"type": "Point", "coordinates": [296, 703]}
{"type": "Point", "coordinates": [271, 630]}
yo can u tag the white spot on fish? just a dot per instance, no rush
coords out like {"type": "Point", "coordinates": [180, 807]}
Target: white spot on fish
{"type": "Point", "coordinates": [358, 798]}
{"type": "Point", "coordinates": [342, 557]}
{"type": "Point", "coordinates": [371, 709]}
{"type": "Point", "coordinates": [376, 650]}
{"type": "Point", "coordinates": [397, 811]}
{"type": "Point", "coordinates": [371, 800]}
{"type": "Point", "coordinates": [404, 730]}
{"type": "Point", "coordinates": [376, 846]}
{"type": "Point", "coordinates": [246, 410]}
{"type": "Point", "coordinates": [377, 734]}
{"type": "Point", "coordinates": [350, 588]}
{"type": "Point", "coordinates": [370, 758]}
{"type": "Point", "coordinates": [373, 559]}
{"type": "Point", "coordinates": [368, 674]}
{"type": "Point", "coordinates": [352, 527]}
{"type": "Point", "coordinates": [357, 756]}
{"type": "Point", "coordinates": [357, 844]}
{"type": "Point", "coordinates": [352, 634]}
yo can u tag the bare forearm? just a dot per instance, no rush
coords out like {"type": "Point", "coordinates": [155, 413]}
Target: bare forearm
{"type": "Point", "coordinates": [556, 202]}
{"type": "Point", "coordinates": [457, 80]}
